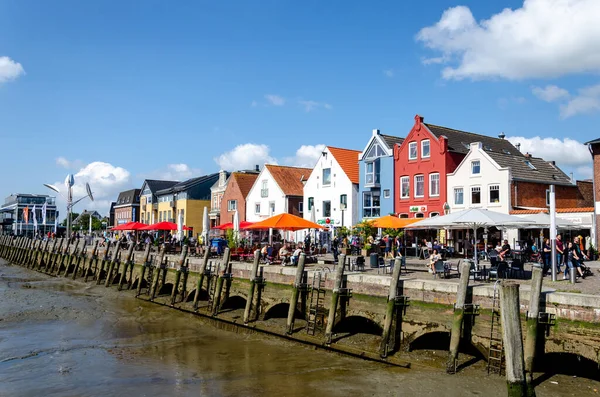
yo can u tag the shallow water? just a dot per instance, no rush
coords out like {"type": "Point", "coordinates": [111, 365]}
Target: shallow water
{"type": "Point", "coordinates": [63, 338]}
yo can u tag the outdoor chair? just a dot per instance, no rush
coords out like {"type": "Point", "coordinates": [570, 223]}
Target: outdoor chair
{"type": "Point", "coordinates": [516, 269]}
{"type": "Point", "coordinates": [499, 271]}
{"type": "Point", "coordinates": [358, 264]}
{"type": "Point", "coordinates": [383, 266]}
{"type": "Point", "coordinates": [474, 271]}
{"type": "Point", "coordinates": [440, 269]}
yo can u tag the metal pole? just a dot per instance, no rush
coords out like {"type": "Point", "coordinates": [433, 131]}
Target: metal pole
{"type": "Point", "coordinates": [553, 230]}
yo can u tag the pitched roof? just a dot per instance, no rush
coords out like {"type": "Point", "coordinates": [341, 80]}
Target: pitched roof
{"type": "Point", "coordinates": [129, 197]}
{"type": "Point", "coordinates": [348, 160]}
{"type": "Point", "coordinates": [558, 211]}
{"type": "Point", "coordinates": [185, 185]}
{"type": "Point", "coordinates": [289, 178]}
{"type": "Point", "coordinates": [245, 181]}
{"type": "Point", "coordinates": [458, 141]}
{"type": "Point", "coordinates": [391, 140]}
{"type": "Point", "coordinates": [156, 185]}
{"type": "Point", "coordinates": [533, 169]}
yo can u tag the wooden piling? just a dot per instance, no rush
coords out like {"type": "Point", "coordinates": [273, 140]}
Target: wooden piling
{"type": "Point", "coordinates": [537, 278]}
{"type": "Point", "coordinates": [145, 264]}
{"type": "Point", "coordinates": [56, 256]}
{"type": "Point", "coordinates": [335, 297]}
{"type": "Point", "coordinates": [180, 269]}
{"type": "Point", "coordinates": [253, 274]}
{"type": "Point", "coordinates": [126, 265]}
{"type": "Point", "coordinates": [99, 269]}
{"type": "Point", "coordinates": [513, 340]}
{"type": "Point", "coordinates": [93, 261]}
{"type": "Point", "coordinates": [391, 308]}
{"type": "Point", "coordinates": [43, 252]}
{"type": "Point", "coordinates": [159, 266]}
{"type": "Point", "coordinates": [66, 253]}
{"type": "Point", "coordinates": [81, 260]}
{"type": "Point", "coordinates": [50, 255]}
{"type": "Point", "coordinates": [459, 315]}
{"type": "Point", "coordinates": [111, 267]}
{"type": "Point", "coordinates": [295, 294]}
{"type": "Point", "coordinates": [220, 280]}
{"type": "Point", "coordinates": [72, 257]}
{"type": "Point", "coordinates": [201, 274]}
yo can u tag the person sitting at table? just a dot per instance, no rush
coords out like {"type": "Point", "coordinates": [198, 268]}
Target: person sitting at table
{"type": "Point", "coordinates": [505, 251]}
{"type": "Point", "coordinates": [284, 254]}
{"type": "Point", "coordinates": [436, 246]}
{"type": "Point", "coordinates": [435, 256]}
{"type": "Point", "coordinates": [296, 255]}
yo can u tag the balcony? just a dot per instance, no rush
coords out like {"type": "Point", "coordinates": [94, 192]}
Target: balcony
{"type": "Point", "coordinates": [264, 192]}
{"type": "Point", "coordinates": [155, 206]}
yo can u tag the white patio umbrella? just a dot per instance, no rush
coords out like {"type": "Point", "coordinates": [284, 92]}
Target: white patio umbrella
{"type": "Point", "coordinates": [541, 220]}
{"type": "Point", "coordinates": [180, 226]}
{"type": "Point", "coordinates": [472, 218]}
{"type": "Point", "coordinates": [236, 225]}
{"type": "Point", "coordinates": [313, 219]}
{"type": "Point", "coordinates": [205, 226]}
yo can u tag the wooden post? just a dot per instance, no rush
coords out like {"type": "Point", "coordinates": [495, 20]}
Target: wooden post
{"type": "Point", "coordinates": [335, 297]}
{"type": "Point", "coordinates": [537, 277]}
{"type": "Point", "coordinates": [100, 269]}
{"type": "Point", "coordinates": [57, 255]}
{"type": "Point", "coordinates": [513, 340]}
{"type": "Point", "coordinates": [180, 269]}
{"type": "Point", "coordinates": [116, 257]}
{"type": "Point", "coordinates": [50, 255]}
{"type": "Point", "coordinates": [72, 258]}
{"type": "Point", "coordinates": [43, 253]}
{"type": "Point", "coordinates": [128, 262]}
{"type": "Point", "coordinates": [159, 266]}
{"type": "Point", "coordinates": [145, 264]}
{"type": "Point", "coordinates": [93, 260]}
{"type": "Point", "coordinates": [391, 306]}
{"type": "Point", "coordinates": [65, 254]}
{"type": "Point", "coordinates": [220, 279]}
{"type": "Point", "coordinates": [201, 275]}
{"type": "Point", "coordinates": [459, 314]}
{"type": "Point", "coordinates": [80, 259]}
{"type": "Point", "coordinates": [253, 274]}
{"type": "Point", "coordinates": [295, 294]}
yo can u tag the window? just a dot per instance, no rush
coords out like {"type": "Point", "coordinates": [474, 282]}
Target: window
{"type": "Point", "coordinates": [386, 193]}
{"type": "Point", "coordinates": [300, 207]}
{"type": "Point", "coordinates": [326, 176]}
{"type": "Point", "coordinates": [272, 207]}
{"type": "Point", "coordinates": [374, 152]}
{"type": "Point", "coordinates": [327, 208]}
{"type": "Point", "coordinates": [231, 205]}
{"type": "Point", "coordinates": [257, 208]}
{"type": "Point", "coordinates": [434, 214]}
{"type": "Point", "coordinates": [264, 190]}
{"type": "Point", "coordinates": [311, 202]}
{"type": "Point", "coordinates": [419, 185]}
{"type": "Point", "coordinates": [371, 204]}
{"type": "Point", "coordinates": [458, 196]}
{"type": "Point", "coordinates": [419, 215]}
{"type": "Point", "coordinates": [530, 165]}
{"type": "Point", "coordinates": [547, 198]}
{"type": "Point", "coordinates": [425, 148]}
{"type": "Point", "coordinates": [343, 201]}
{"type": "Point", "coordinates": [494, 194]}
{"type": "Point", "coordinates": [475, 167]}
{"type": "Point", "coordinates": [404, 187]}
{"type": "Point", "coordinates": [403, 216]}
{"type": "Point", "coordinates": [434, 185]}
{"type": "Point", "coordinates": [412, 151]}
{"type": "Point", "coordinates": [370, 173]}
{"type": "Point", "coordinates": [476, 195]}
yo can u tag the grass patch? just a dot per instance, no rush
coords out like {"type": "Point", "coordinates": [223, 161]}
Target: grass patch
{"type": "Point", "coordinates": [571, 291]}
{"type": "Point", "coordinates": [565, 323]}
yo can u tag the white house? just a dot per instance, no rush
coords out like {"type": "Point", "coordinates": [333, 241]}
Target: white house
{"type": "Point", "coordinates": [277, 189]}
{"type": "Point", "coordinates": [332, 188]}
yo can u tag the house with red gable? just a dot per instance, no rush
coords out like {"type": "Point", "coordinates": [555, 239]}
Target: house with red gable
{"type": "Point", "coordinates": [422, 162]}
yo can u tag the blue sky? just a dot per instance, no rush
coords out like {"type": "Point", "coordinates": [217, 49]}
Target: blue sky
{"type": "Point", "coordinates": [116, 91]}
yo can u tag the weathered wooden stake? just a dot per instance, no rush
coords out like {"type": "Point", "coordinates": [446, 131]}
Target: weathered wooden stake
{"type": "Point", "coordinates": [513, 340]}
{"type": "Point", "coordinates": [92, 261]}
{"type": "Point", "coordinates": [335, 297]}
{"type": "Point", "coordinates": [50, 255]}
{"type": "Point", "coordinates": [81, 260]}
{"type": "Point", "coordinates": [145, 264]}
{"type": "Point", "coordinates": [56, 256]}
{"type": "Point", "coordinates": [201, 275]}
{"type": "Point", "coordinates": [253, 274]}
{"type": "Point", "coordinates": [72, 258]}
{"type": "Point", "coordinates": [537, 278]}
{"type": "Point", "coordinates": [459, 315]}
{"type": "Point", "coordinates": [126, 265]}
{"type": "Point", "coordinates": [99, 269]}
{"type": "Point", "coordinates": [180, 269]}
{"type": "Point", "coordinates": [64, 257]}
{"type": "Point", "coordinates": [114, 260]}
{"type": "Point", "coordinates": [295, 294]}
{"type": "Point", "coordinates": [220, 280]}
{"type": "Point", "coordinates": [160, 265]}
{"type": "Point", "coordinates": [391, 308]}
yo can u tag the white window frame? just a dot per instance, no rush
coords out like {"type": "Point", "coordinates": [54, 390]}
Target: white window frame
{"type": "Point", "coordinates": [271, 207]}
{"type": "Point", "coordinates": [547, 197]}
{"type": "Point", "coordinates": [257, 208]}
{"type": "Point", "coordinates": [423, 142]}
{"type": "Point", "coordinates": [231, 205]}
{"type": "Point", "coordinates": [323, 208]}
{"type": "Point", "coordinates": [490, 190]}
{"type": "Point", "coordinates": [372, 173]}
{"type": "Point", "coordinates": [431, 178]}
{"type": "Point", "coordinates": [462, 190]}
{"type": "Point", "coordinates": [404, 179]}
{"type": "Point", "coordinates": [412, 145]}
{"type": "Point", "coordinates": [478, 162]}
{"type": "Point", "coordinates": [301, 207]}
{"type": "Point", "coordinates": [417, 185]}
{"type": "Point", "coordinates": [323, 176]}
{"type": "Point", "coordinates": [473, 190]}
{"type": "Point", "coordinates": [386, 193]}
{"type": "Point", "coordinates": [372, 208]}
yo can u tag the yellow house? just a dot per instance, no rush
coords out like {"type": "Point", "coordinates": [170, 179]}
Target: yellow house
{"type": "Point", "coordinates": [188, 198]}
{"type": "Point", "coordinates": [149, 200]}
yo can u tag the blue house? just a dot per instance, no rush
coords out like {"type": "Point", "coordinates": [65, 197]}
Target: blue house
{"type": "Point", "coordinates": [376, 169]}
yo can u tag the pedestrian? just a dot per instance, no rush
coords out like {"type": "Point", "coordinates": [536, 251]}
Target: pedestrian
{"type": "Point", "coordinates": [334, 248]}
{"type": "Point", "coordinates": [388, 245]}
{"type": "Point", "coordinates": [560, 253]}
{"type": "Point", "coordinates": [547, 255]}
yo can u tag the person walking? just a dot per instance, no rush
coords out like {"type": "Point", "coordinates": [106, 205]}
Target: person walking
{"type": "Point", "coordinates": [547, 256]}
{"type": "Point", "coordinates": [560, 253]}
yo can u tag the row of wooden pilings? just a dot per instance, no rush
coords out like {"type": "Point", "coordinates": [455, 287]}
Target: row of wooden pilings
{"type": "Point", "coordinates": [57, 258]}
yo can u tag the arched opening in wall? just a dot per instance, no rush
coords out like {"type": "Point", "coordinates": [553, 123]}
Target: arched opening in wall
{"type": "Point", "coordinates": [403, 216]}
{"type": "Point", "coordinates": [419, 215]}
{"type": "Point", "coordinates": [353, 325]}
{"type": "Point", "coordinates": [234, 303]}
{"type": "Point", "coordinates": [134, 286]}
{"type": "Point", "coordinates": [440, 340]}
{"type": "Point", "coordinates": [569, 364]}
{"type": "Point", "coordinates": [166, 289]}
{"type": "Point", "coordinates": [434, 214]}
{"type": "Point", "coordinates": [280, 310]}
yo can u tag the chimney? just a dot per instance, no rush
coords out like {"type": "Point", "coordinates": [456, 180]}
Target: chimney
{"type": "Point", "coordinates": [518, 146]}
{"type": "Point", "coordinates": [376, 132]}
{"type": "Point", "coordinates": [257, 168]}
{"type": "Point", "coordinates": [571, 177]}
{"type": "Point", "coordinates": [501, 135]}
{"type": "Point", "coordinates": [527, 155]}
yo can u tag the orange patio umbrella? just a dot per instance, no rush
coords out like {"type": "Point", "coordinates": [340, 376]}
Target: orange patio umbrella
{"type": "Point", "coordinates": [393, 222]}
{"type": "Point", "coordinates": [284, 222]}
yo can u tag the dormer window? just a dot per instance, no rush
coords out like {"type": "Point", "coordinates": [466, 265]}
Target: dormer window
{"type": "Point", "coordinates": [425, 151]}
{"type": "Point", "coordinates": [412, 151]}
{"type": "Point", "coordinates": [475, 167]}
{"type": "Point", "coordinates": [530, 165]}
{"type": "Point", "coordinates": [375, 151]}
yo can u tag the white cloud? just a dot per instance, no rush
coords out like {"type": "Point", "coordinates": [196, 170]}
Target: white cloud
{"type": "Point", "coordinates": [550, 93]}
{"type": "Point", "coordinates": [312, 105]}
{"type": "Point", "coordinates": [174, 172]}
{"type": "Point", "coordinates": [566, 152]}
{"type": "Point", "coordinates": [389, 72]}
{"type": "Point", "coordinates": [306, 156]}
{"type": "Point", "coordinates": [584, 172]}
{"type": "Point", "coordinates": [275, 100]}
{"type": "Point", "coordinates": [9, 69]}
{"type": "Point", "coordinates": [543, 38]}
{"type": "Point", "coordinates": [69, 164]}
{"type": "Point", "coordinates": [245, 156]}
{"type": "Point", "coordinates": [63, 162]}
{"type": "Point", "coordinates": [587, 101]}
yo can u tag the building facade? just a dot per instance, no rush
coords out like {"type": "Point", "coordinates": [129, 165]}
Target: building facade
{"type": "Point", "coordinates": [127, 208]}
{"type": "Point", "coordinates": [13, 220]}
{"type": "Point", "coordinates": [332, 188]}
{"type": "Point", "coordinates": [188, 199]}
{"type": "Point", "coordinates": [234, 197]}
{"type": "Point", "coordinates": [149, 200]}
{"type": "Point", "coordinates": [376, 176]}
{"type": "Point", "coordinates": [216, 193]}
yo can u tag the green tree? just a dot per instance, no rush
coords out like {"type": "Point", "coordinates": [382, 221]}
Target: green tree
{"type": "Point", "coordinates": [231, 239]}
{"type": "Point", "coordinates": [74, 215]}
{"type": "Point", "coordinates": [83, 223]}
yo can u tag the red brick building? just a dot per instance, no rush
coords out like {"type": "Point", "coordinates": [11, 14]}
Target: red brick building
{"type": "Point", "coordinates": [238, 186]}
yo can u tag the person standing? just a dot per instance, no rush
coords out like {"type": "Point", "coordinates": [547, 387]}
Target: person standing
{"type": "Point", "coordinates": [388, 245]}
{"type": "Point", "coordinates": [560, 253]}
{"type": "Point", "coordinates": [547, 255]}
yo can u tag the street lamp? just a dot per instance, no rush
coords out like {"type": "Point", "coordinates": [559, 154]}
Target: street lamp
{"type": "Point", "coordinates": [69, 182]}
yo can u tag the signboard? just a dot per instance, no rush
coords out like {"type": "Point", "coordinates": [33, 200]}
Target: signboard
{"type": "Point", "coordinates": [328, 221]}
{"type": "Point", "coordinates": [418, 208]}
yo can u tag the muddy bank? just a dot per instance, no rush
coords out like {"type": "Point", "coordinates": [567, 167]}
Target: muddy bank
{"type": "Point", "coordinates": [60, 337]}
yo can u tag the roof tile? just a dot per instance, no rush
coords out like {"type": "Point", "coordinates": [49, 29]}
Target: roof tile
{"type": "Point", "coordinates": [348, 160]}
{"type": "Point", "coordinates": [245, 181]}
{"type": "Point", "coordinates": [458, 141]}
{"type": "Point", "coordinates": [289, 178]}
